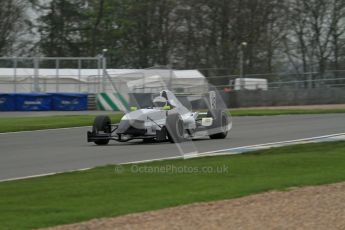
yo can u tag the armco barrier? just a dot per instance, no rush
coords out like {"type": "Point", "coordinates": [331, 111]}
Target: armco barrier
{"type": "Point", "coordinates": [7, 102]}
{"type": "Point", "coordinates": [69, 101]}
{"type": "Point", "coordinates": [33, 102]}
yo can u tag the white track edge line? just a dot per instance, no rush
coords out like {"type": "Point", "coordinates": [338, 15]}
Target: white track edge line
{"type": "Point", "coordinates": [275, 143]}
{"type": "Point", "coordinates": [43, 130]}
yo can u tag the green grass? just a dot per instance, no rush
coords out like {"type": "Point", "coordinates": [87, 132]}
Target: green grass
{"type": "Point", "coordinates": [100, 192]}
{"type": "Point", "coordinates": [271, 112]}
{"type": "Point", "coordinates": [13, 124]}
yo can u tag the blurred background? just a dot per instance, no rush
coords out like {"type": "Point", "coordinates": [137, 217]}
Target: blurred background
{"type": "Point", "coordinates": [255, 52]}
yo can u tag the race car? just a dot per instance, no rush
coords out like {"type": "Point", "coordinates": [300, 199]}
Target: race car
{"type": "Point", "coordinates": [167, 120]}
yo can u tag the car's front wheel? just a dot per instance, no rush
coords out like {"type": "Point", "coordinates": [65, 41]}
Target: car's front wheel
{"type": "Point", "coordinates": [101, 124]}
{"type": "Point", "coordinates": [148, 140]}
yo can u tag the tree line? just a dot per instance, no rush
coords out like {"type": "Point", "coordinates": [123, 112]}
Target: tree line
{"type": "Point", "coordinates": [291, 35]}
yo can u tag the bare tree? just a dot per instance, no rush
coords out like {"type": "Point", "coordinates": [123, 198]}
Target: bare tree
{"type": "Point", "coordinates": [11, 23]}
{"type": "Point", "coordinates": [198, 33]}
{"type": "Point", "coordinates": [338, 30]}
{"type": "Point", "coordinates": [316, 27]}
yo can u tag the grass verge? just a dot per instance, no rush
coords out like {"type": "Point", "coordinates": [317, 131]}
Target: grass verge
{"type": "Point", "coordinates": [13, 124]}
{"type": "Point", "coordinates": [111, 191]}
{"type": "Point", "coordinates": [271, 112]}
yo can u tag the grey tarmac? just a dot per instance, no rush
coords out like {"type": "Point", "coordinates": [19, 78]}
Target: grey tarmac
{"type": "Point", "coordinates": [32, 153]}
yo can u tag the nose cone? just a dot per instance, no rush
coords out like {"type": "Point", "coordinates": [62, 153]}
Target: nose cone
{"type": "Point", "coordinates": [133, 127]}
{"type": "Point", "coordinates": [132, 123]}
{"type": "Point", "coordinates": [123, 127]}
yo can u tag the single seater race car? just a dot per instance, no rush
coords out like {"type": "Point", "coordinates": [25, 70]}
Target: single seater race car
{"type": "Point", "coordinates": [167, 120]}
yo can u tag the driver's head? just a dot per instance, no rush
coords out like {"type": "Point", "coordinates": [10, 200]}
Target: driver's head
{"type": "Point", "coordinates": [159, 101]}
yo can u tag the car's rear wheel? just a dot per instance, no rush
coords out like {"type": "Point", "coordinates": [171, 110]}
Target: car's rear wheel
{"type": "Point", "coordinates": [102, 124]}
{"type": "Point", "coordinates": [219, 128]}
{"type": "Point", "coordinates": [175, 128]}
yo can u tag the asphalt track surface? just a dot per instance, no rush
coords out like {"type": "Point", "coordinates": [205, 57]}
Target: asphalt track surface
{"type": "Point", "coordinates": [40, 152]}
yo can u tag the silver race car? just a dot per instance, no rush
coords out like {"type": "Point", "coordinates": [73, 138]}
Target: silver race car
{"type": "Point", "coordinates": [167, 120]}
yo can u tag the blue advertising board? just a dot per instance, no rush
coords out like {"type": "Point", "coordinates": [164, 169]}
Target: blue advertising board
{"type": "Point", "coordinates": [33, 102]}
{"type": "Point", "coordinates": [69, 101]}
{"type": "Point", "coordinates": [7, 102]}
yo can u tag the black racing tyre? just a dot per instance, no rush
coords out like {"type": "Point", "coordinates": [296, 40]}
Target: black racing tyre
{"type": "Point", "coordinates": [175, 128]}
{"type": "Point", "coordinates": [101, 123]}
{"type": "Point", "coordinates": [218, 129]}
{"type": "Point", "coordinates": [148, 140]}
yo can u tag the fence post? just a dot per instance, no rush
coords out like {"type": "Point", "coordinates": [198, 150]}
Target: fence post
{"type": "Point", "coordinates": [57, 80]}
{"type": "Point", "coordinates": [36, 74]}
{"type": "Point", "coordinates": [79, 75]}
{"type": "Point", "coordinates": [15, 64]}
{"type": "Point", "coordinates": [242, 46]}
{"type": "Point", "coordinates": [99, 67]}
{"type": "Point", "coordinates": [170, 78]}
{"type": "Point", "coordinates": [310, 78]}
{"type": "Point", "coordinates": [104, 68]}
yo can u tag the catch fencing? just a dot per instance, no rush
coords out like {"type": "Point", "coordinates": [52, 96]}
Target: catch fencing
{"type": "Point", "coordinates": [310, 80]}
{"type": "Point", "coordinates": [51, 74]}
{"type": "Point", "coordinates": [90, 75]}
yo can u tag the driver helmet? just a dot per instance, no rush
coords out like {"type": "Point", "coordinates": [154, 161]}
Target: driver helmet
{"type": "Point", "coordinates": [159, 102]}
